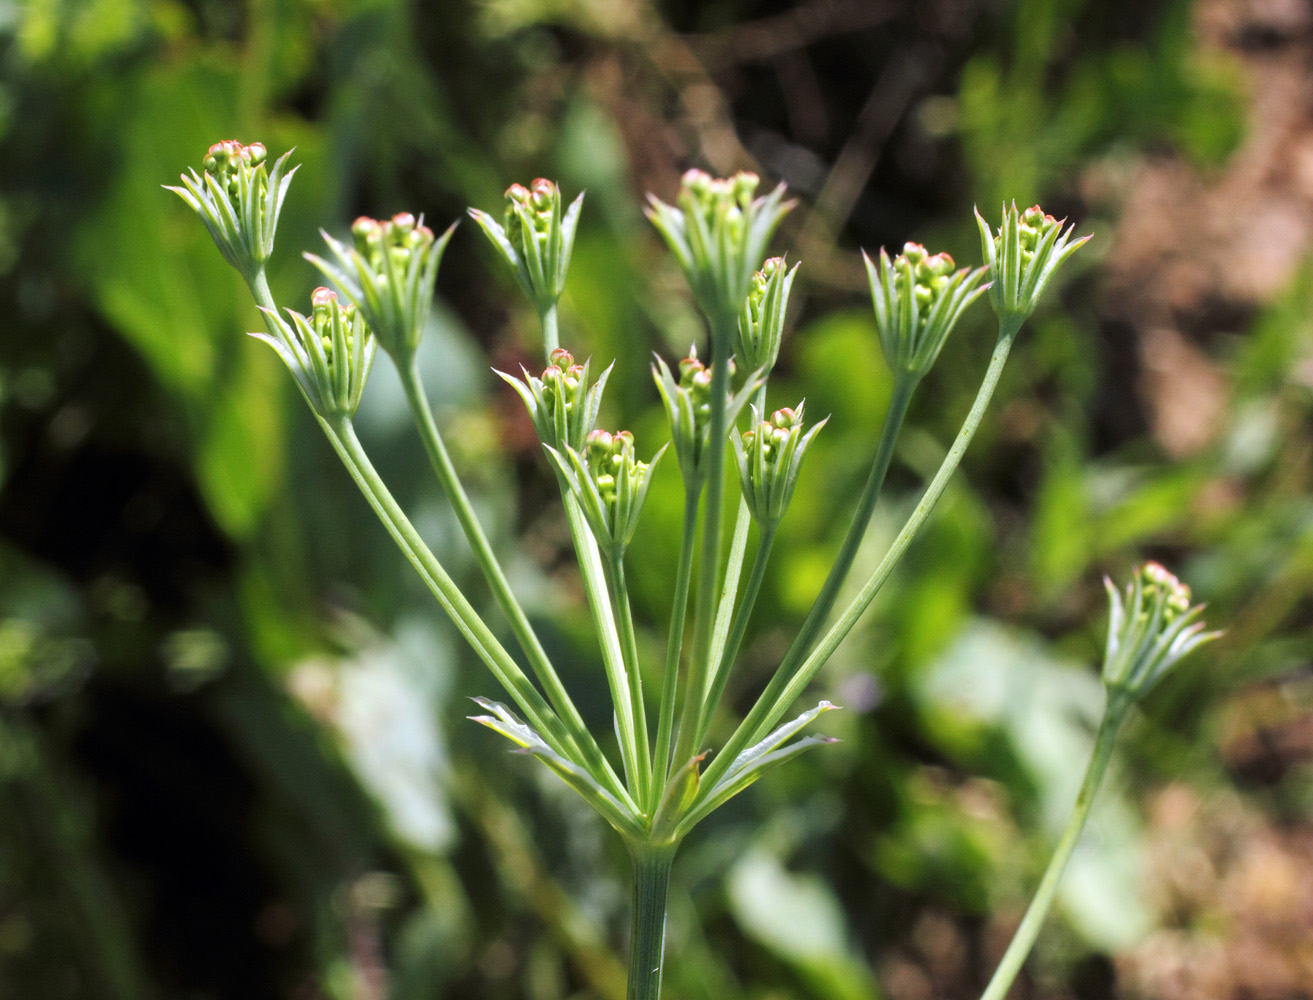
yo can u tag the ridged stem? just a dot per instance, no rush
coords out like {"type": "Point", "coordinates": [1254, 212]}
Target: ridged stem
{"type": "Point", "coordinates": [647, 942]}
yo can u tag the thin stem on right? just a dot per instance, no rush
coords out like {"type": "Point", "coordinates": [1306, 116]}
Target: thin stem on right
{"type": "Point", "coordinates": [1024, 938]}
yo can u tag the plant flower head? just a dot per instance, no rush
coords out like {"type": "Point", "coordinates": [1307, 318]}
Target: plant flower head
{"type": "Point", "coordinates": [329, 352]}
{"type": "Point", "coordinates": [769, 457]}
{"type": "Point", "coordinates": [562, 403]}
{"type": "Point", "coordinates": [687, 401]}
{"type": "Point", "coordinates": [761, 321]}
{"type": "Point", "coordinates": [1150, 629]}
{"type": "Point", "coordinates": [389, 273]}
{"type": "Point", "coordinates": [239, 199]}
{"type": "Point", "coordinates": [1022, 256]}
{"type": "Point", "coordinates": [718, 230]}
{"type": "Point", "coordinates": [611, 484]}
{"type": "Point", "coordinates": [918, 298]}
{"type": "Point", "coordinates": [535, 237]}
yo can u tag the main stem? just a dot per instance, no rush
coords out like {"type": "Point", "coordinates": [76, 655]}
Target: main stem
{"type": "Point", "coordinates": [647, 944]}
{"type": "Point", "coordinates": [1024, 939]}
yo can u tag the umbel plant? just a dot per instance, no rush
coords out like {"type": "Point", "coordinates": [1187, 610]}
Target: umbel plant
{"type": "Point", "coordinates": [732, 451]}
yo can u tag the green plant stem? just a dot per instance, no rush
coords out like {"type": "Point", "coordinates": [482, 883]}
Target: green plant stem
{"type": "Point", "coordinates": [647, 943]}
{"type": "Point", "coordinates": [593, 573]}
{"type": "Point", "coordinates": [904, 386]}
{"type": "Point", "coordinates": [733, 568]}
{"type": "Point", "coordinates": [722, 332]}
{"type": "Point", "coordinates": [1024, 939]}
{"type": "Point", "coordinates": [675, 644]}
{"type": "Point", "coordinates": [720, 676]}
{"type": "Point", "coordinates": [629, 650]}
{"type": "Point", "coordinates": [551, 330]}
{"type": "Point", "coordinates": [342, 435]}
{"type": "Point", "coordinates": [524, 633]}
{"type": "Point", "coordinates": [785, 687]}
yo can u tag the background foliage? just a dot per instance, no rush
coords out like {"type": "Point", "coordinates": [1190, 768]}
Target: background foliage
{"type": "Point", "coordinates": [233, 760]}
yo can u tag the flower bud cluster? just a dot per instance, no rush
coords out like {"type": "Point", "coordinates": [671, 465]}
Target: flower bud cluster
{"type": "Point", "coordinates": [718, 231]}
{"type": "Point", "coordinates": [329, 352]}
{"type": "Point", "coordinates": [239, 200]}
{"type": "Point", "coordinates": [562, 403]}
{"type": "Point", "coordinates": [769, 457]}
{"type": "Point", "coordinates": [918, 298]}
{"type": "Point", "coordinates": [1022, 256]}
{"type": "Point", "coordinates": [536, 238]}
{"type": "Point", "coordinates": [611, 484]}
{"type": "Point", "coordinates": [389, 273]}
{"type": "Point", "coordinates": [688, 409]}
{"type": "Point", "coordinates": [1150, 628]}
{"type": "Point", "coordinates": [761, 321]}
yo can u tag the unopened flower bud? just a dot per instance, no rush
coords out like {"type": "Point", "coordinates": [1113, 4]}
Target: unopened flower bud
{"type": "Point", "coordinates": [536, 238]}
{"type": "Point", "coordinates": [389, 273]}
{"type": "Point", "coordinates": [1022, 256]}
{"type": "Point", "coordinates": [918, 299]}
{"type": "Point", "coordinates": [769, 457]}
{"type": "Point", "coordinates": [761, 322]}
{"type": "Point", "coordinates": [718, 231]}
{"type": "Point", "coordinates": [1149, 630]}
{"type": "Point", "coordinates": [239, 199]}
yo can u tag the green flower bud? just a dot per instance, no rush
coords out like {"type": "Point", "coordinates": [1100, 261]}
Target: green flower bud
{"type": "Point", "coordinates": [239, 200]}
{"type": "Point", "coordinates": [769, 457]}
{"type": "Point", "coordinates": [561, 403]}
{"type": "Point", "coordinates": [761, 322]}
{"type": "Point", "coordinates": [718, 231]}
{"type": "Point", "coordinates": [918, 298]}
{"type": "Point", "coordinates": [1149, 631]}
{"type": "Point", "coordinates": [1022, 256]}
{"type": "Point", "coordinates": [535, 237]}
{"type": "Point", "coordinates": [688, 409]}
{"type": "Point", "coordinates": [389, 272]}
{"type": "Point", "coordinates": [329, 352]}
{"type": "Point", "coordinates": [611, 484]}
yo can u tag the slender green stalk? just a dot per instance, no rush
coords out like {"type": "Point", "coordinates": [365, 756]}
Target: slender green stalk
{"type": "Point", "coordinates": [722, 332]}
{"type": "Point", "coordinates": [734, 564]}
{"type": "Point", "coordinates": [675, 643]}
{"type": "Point", "coordinates": [647, 942]}
{"type": "Point", "coordinates": [1024, 939]}
{"type": "Point", "coordinates": [785, 687]}
{"type": "Point", "coordinates": [593, 573]}
{"type": "Point", "coordinates": [342, 435]}
{"type": "Point", "coordinates": [904, 386]}
{"type": "Point", "coordinates": [720, 676]}
{"type": "Point", "coordinates": [629, 650]}
{"type": "Point", "coordinates": [501, 588]}
{"type": "Point", "coordinates": [551, 330]}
